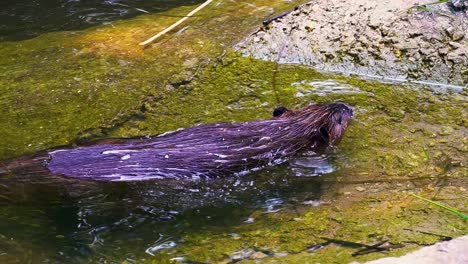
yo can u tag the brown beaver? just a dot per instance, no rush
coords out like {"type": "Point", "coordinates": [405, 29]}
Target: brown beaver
{"type": "Point", "coordinates": [210, 150]}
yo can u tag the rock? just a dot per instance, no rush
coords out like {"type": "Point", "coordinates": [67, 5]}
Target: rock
{"type": "Point", "coordinates": [455, 45]}
{"type": "Point", "coordinates": [454, 57]}
{"type": "Point", "coordinates": [459, 3]}
{"type": "Point", "coordinates": [258, 255]}
{"type": "Point", "coordinates": [378, 38]}
{"type": "Point", "coordinates": [443, 51]}
{"type": "Point", "coordinates": [449, 252]}
{"type": "Point", "coordinates": [360, 189]}
{"type": "Point", "coordinates": [446, 130]}
{"type": "Point", "coordinates": [450, 31]}
{"type": "Point", "coordinates": [425, 51]}
{"type": "Point", "coordinates": [242, 254]}
{"type": "Point", "coordinates": [458, 35]}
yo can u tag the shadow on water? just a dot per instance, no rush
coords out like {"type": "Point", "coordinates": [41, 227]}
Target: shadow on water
{"type": "Point", "coordinates": [25, 19]}
{"type": "Point", "coordinates": [75, 220]}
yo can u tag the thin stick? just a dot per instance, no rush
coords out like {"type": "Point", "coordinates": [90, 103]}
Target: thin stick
{"type": "Point", "coordinates": [153, 38]}
{"type": "Point", "coordinates": [452, 210]}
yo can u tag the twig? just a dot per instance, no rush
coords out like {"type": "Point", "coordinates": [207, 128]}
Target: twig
{"type": "Point", "coordinates": [271, 19]}
{"type": "Point", "coordinates": [153, 38]}
{"type": "Point", "coordinates": [444, 237]}
{"type": "Point", "coordinates": [378, 247]}
{"type": "Point", "coordinates": [275, 72]}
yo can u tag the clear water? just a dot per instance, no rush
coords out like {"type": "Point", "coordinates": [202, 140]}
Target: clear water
{"type": "Point", "coordinates": [74, 221]}
{"type": "Point", "coordinates": [25, 19]}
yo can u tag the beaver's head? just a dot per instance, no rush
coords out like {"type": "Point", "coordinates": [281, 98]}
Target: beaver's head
{"type": "Point", "coordinates": [336, 121]}
{"type": "Point", "coordinates": [323, 123]}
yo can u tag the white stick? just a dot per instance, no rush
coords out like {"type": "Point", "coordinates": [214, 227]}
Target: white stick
{"type": "Point", "coordinates": [153, 38]}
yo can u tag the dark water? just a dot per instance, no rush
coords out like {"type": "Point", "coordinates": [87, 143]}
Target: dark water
{"type": "Point", "coordinates": [23, 19]}
{"type": "Point", "coordinates": [57, 220]}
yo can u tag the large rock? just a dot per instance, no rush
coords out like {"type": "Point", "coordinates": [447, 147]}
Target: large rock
{"type": "Point", "coordinates": [389, 38]}
{"type": "Point", "coordinates": [450, 252]}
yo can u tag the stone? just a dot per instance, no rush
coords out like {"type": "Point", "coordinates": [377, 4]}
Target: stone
{"type": "Point", "coordinates": [258, 255]}
{"type": "Point", "coordinates": [360, 189]}
{"type": "Point", "coordinates": [413, 44]}
{"type": "Point", "coordinates": [458, 35]}
{"type": "Point", "coordinates": [459, 4]}
{"type": "Point", "coordinates": [455, 45]}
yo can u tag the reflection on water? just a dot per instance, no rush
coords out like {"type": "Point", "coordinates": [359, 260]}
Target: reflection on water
{"type": "Point", "coordinates": [310, 165]}
{"type": "Point", "coordinates": [68, 220]}
{"type": "Point", "coordinates": [22, 19]}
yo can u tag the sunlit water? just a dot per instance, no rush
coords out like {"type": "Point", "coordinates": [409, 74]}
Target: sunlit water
{"type": "Point", "coordinates": [24, 19]}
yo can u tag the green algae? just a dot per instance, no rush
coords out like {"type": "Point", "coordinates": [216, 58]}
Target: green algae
{"type": "Point", "coordinates": [385, 149]}
{"type": "Point", "coordinates": [365, 222]}
{"type": "Point", "coordinates": [65, 87]}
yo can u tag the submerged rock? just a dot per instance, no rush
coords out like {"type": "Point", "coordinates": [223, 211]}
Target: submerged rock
{"type": "Point", "coordinates": [394, 39]}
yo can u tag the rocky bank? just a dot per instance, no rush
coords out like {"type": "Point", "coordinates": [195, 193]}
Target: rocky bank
{"type": "Point", "coordinates": [399, 39]}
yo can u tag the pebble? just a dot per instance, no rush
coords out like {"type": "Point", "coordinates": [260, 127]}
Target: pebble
{"type": "Point", "coordinates": [258, 255]}
{"type": "Point", "coordinates": [249, 220]}
{"type": "Point", "coordinates": [360, 189]}
{"type": "Point", "coordinates": [458, 35]}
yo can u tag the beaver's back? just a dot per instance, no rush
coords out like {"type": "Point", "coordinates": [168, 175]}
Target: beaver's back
{"type": "Point", "coordinates": [213, 150]}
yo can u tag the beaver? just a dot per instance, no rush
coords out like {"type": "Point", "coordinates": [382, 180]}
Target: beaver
{"type": "Point", "coordinates": [208, 150]}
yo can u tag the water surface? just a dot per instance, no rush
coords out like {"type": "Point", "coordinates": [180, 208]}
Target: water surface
{"type": "Point", "coordinates": [25, 19]}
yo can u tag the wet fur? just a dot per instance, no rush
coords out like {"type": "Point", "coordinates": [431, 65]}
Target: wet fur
{"type": "Point", "coordinates": [208, 151]}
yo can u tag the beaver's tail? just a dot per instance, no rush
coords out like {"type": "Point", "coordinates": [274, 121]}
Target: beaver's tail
{"type": "Point", "coordinates": [25, 165]}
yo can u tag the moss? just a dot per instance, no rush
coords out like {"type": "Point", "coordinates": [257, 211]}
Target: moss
{"type": "Point", "coordinates": [386, 144]}
{"type": "Point", "coordinates": [366, 221]}
{"type": "Point", "coordinates": [64, 87]}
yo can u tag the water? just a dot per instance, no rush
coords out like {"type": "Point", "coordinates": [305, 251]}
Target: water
{"type": "Point", "coordinates": [25, 19]}
{"type": "Point", "coordinates": [71, 221]}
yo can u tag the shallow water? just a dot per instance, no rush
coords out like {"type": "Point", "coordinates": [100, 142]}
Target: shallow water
{"type": "Point", "coordinates": [70, 88]}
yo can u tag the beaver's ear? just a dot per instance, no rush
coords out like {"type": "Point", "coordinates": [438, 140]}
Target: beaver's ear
{"type": "Point", "coordinates": [279, 111]}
